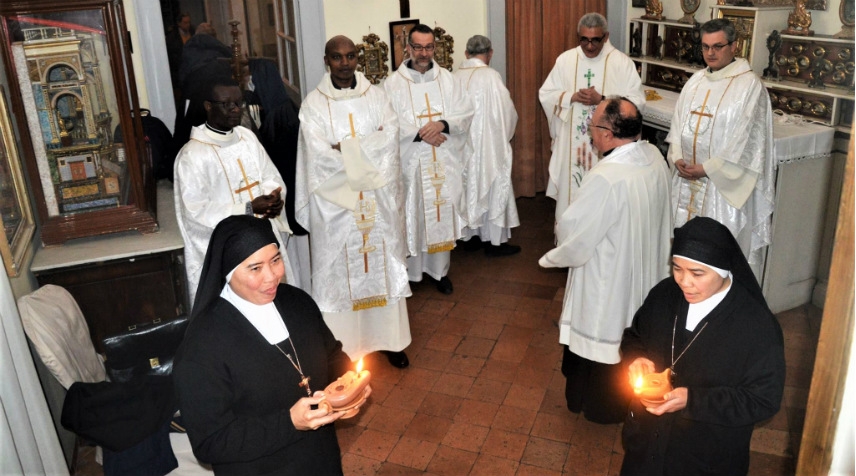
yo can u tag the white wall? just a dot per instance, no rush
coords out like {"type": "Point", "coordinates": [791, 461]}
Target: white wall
{"type": "Point", "coordinates": [355, 19]}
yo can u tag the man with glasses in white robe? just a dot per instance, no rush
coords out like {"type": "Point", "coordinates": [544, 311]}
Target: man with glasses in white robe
{"type": "Point", "coordinates": [722, 145]}
{"type": "Point", "coordinates": [581, 78]}
{"type": "Point", "coordinates": [434, 114]}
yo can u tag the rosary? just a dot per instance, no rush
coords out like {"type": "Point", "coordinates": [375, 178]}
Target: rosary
{"type": "Point", "coordinates": [674, 360]}
{"type": "Point", "coordinates": [304, 379]}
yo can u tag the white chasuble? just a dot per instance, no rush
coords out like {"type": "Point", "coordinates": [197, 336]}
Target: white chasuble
{"type": "Point", "coordinates": [723, 121]}
{"type": "Point", "coordinates": [488, 207]}
{"type": "Point", "coordinates": [438, 207]}
{"type": "Point", "coordinates": [610, 73]}
{"type": "Point", "coordinates": [348, 196]}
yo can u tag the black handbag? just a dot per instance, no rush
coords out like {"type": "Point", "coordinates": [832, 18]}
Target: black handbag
{"type": "Point", "coordinates": [144, 349]}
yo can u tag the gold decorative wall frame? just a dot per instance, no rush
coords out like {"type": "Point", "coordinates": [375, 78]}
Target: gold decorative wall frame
{"type": "Point", "coordinates": [17, 217]}
{"type": "Point", "coordinates": [372, 56]}
{"type": "Point", "coordinates": [445, 46]}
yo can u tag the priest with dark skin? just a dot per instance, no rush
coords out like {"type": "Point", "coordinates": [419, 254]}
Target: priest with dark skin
{"type": "Point", "coordinates": [224, 112]}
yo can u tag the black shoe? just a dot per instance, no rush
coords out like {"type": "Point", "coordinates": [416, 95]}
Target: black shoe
{"type": "Point", "coordinates": [473, 244]}
{"type": "Point", "coordinates": [502, 250]}
{"type": "Point", "coordinates": [397, 359]}
{"type": "Point", "coordinates": [444, 285]}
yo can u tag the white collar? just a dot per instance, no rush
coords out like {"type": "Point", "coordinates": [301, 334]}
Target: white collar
{"type": "Point", "coordinates": [699, 311]}
{"type": "Point", "coordinates": [265, 318]}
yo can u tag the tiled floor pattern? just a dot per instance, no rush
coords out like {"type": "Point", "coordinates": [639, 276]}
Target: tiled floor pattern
{"type": "Point", "coordinates": [484, 394]}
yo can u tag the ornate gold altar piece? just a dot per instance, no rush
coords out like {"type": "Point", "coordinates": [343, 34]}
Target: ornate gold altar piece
{"type": "Point", "coordinates": [372, 56]}
{"type": "Point", "coordinates": [654, 10]}
{"type": "Point", "coordinates": [799, 21]}
{"type": "Point", "coordinates": [846, 15]}
{"type": "Point", "coordinates": [445, 46]}
{"type": "Point", "coordinates": [689, 8]}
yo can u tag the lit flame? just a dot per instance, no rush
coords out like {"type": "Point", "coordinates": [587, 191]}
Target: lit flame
{"type": "Point", "coordinates": [360, 366]}
{"type": "Point", "coordinates": [638, 386]}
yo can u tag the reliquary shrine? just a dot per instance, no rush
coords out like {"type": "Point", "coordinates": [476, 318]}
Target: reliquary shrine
{"type": "Point", "coordinates": [84, 168]}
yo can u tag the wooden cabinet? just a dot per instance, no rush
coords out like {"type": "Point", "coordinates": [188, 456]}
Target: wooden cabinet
{"type": "Point", "coordinates": [73, 95]}
{"type": "Point", "coordinates": [116, 294]}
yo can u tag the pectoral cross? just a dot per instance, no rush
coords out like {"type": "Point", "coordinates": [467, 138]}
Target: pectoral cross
{"type": "Point", "coordinates": [247, 188]}
{"type": "Point", "coordinates": [588, 77]}
{"type": "Point", "coordinates": [700, 113]}
{"type": "Point", "coordinates": [437, 179]}
{"type": "Point", "coordinates": [304, 382]}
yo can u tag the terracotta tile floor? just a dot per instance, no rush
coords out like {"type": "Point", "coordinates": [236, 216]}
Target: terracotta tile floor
{"type": "Point", "coordinates": [484, 393]}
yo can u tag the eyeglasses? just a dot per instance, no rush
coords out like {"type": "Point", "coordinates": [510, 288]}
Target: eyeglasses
{"type": "Point", "coordinates": [416, 47]}
{"type": "Point", "coordinates": [592, 41]}
{"type": "Point", "coordinates": [229, 105]}
{"type": "Point", "coordinates": [716, 48]}
{"type": "Point", "coordinates": [604, 128]}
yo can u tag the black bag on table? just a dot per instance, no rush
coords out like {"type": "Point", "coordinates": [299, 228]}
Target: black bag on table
{"type": "Point", "coordinates": [144, 349]}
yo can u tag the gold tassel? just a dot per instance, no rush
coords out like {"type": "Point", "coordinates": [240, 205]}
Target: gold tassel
{"type": "Point", "coordinates": [441, 247]}
{"type": "Point", "coordinates": [369, 302]}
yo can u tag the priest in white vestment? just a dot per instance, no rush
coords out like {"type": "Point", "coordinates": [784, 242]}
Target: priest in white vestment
{"type": "Point", "coordinates": [349, 197]}
{"type": "Point", "coordinates": [615, 239]}
{"type": "Point", "coordinates": [581, 78]}
{"type": "Point", "coordinates": [489, 209]}
{"type": "Point", "coordinates": [224, 170]}
{"type": "Point", "coordinates": [722, 145]}
{"type": "Point", "coordinates": [434, 114]}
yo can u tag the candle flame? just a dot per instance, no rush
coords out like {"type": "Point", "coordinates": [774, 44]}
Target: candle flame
{"type": "Point", "coordinates": [638, 382]}
{"type": "Point", "coordinates": [360, 366]}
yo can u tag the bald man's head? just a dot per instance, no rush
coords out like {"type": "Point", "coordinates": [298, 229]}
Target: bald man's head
{"type": "Point", "coordinates": [340, 55]}
{"type": "Point", "coordinates": [337, 40]}
{"type": "Point", "coordinates": [623, 117]}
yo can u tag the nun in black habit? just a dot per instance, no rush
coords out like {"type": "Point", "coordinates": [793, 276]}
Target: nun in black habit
{"type": "Point", "coordinates": [255, 355]}
{"type": "Point", "coordinates": [710, 324]}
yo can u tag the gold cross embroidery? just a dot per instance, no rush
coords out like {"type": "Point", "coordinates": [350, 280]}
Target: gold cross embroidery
{"type": "Point", "coordinates": [249, 186]}
{"type": "Point", "coordinates": [695, 185]}
{"type": "Point", "coordinates": [698, 122]}
{"type": "Point", "coordinates": [437, 181]}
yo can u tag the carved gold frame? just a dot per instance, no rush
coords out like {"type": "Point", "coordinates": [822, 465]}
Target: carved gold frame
{"type": "Point", "coordinates": [372, 55]}
{"type": "Point", "coordinates": [17, 216]}
{"type": "Point", "coordinates": [445, 46]}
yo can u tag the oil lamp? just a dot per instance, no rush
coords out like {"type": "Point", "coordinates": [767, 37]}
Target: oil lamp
{"type": "Point", "coordinates": [348, 392]}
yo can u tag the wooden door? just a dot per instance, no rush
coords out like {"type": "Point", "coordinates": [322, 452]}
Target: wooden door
{"type": "Point", "coordinates": [537, 32]}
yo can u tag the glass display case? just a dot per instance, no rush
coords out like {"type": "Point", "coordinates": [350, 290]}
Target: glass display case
{"type": "Point", "coordinates": [15, 210]}
{"type": "Point", "coordinates": [74, 98]}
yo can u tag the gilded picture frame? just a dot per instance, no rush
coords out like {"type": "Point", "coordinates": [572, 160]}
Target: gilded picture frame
{"type": "Point", "coordinates": [17, 216]}
{"type": "Point", "coordinates": [444, 49]}
{"type": "Point", "coordinates": [372, 56]}
{"type": "Point", "coordinates": [398, 34]}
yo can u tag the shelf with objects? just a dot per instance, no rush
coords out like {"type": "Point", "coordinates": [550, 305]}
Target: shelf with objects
{"type": "Point", "coordinates": [811, 76]}
{"type": "Point", "coordinates": [73, 93]}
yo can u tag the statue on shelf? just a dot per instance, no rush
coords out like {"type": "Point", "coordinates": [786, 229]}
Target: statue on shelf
{"type": "Point", "coordinates": [635, 40]}
{"type": "Point", "coordinates": [774, 42]}
{"type": "Point", "coordinates": [653, 10]}
{"type": "Point", "coordinates": [658, 48]}
{"type": "Point", "coordinates": [799, 21]}
{"type": "Point", "coordinates": [681, 48]}
{"type": "Point", "coordinates": [819, 68]}
{"type": "Point", "coordinates": [696, 57]}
